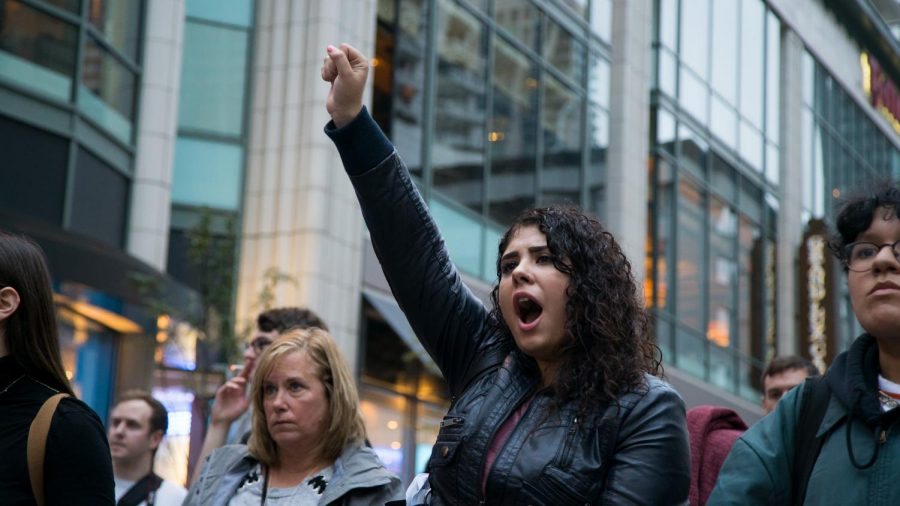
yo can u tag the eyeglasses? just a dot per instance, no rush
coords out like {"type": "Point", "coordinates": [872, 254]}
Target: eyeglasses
{"type": "Point", "coordinates": [259, 344]}
{"type": "Point", "coordinates": [860, 256]}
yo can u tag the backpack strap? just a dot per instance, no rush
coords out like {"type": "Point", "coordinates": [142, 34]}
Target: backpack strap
{"type": "Point", "coordinates": [815, 397]}
{"type": "Point", "coordinates": [37, 444]}
{"type": "Point", "coordinates": [143, 490]}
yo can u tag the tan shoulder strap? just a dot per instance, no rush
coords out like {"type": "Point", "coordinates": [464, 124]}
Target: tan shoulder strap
{"type": "Point", "coordinates": [37, 443]}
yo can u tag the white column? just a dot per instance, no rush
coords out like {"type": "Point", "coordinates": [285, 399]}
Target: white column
{"type": "Point", "coordinates": [790, 226]}
{"type": "Point", "coordinates": [300, 212]}
{"type": "Point", "coordinates": [157, 128]}
{"type": "Point", "coordinates": [626, 180]}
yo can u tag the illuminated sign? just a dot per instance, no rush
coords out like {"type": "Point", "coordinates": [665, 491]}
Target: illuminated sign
{"type": "Point", "coordinates": [882, 93]}
{"type": "Point", "coordinates": [818, 346]}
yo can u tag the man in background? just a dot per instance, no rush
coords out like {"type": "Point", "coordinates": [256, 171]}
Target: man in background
{"type": "Point", "coordinates": [137, 425]}
{"type": "Point", "coordinates": [781, 375]}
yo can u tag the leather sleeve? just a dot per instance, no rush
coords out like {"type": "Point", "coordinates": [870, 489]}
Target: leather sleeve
{"type": "Point", "coordinates": [77, 464]}
{"type": "Point", "coordinates": [447, 318]}
{"type": "Point", "coordinates": [651, 463]}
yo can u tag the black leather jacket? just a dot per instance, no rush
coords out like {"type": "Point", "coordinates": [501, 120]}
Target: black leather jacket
{"type": "Point", "coordinates": [637, 453]}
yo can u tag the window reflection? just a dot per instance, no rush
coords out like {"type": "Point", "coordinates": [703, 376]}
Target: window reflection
{"type": "Point", "coordinates": [513, 134]}
{"type": "Point", "coordinates": [694, 33]}
{"type": "Point", "coordinates": [598, 138]}
{"type": "Point", "coordinates": [36, 50]}
{"type": "Point", "coordinates": [459, 138]}
{"type": "Point", "coordinates": [520, 18]}
{"type": "Point", "coordinates": [408, 65]}
{"type": "Point", "coordinates": [752, 56]}
{"type": "Point", "coordinates": [723, 229]}
{"type": "Point", "coordinates": [562, 144]}
{"type": "Point", "coordinates": [690, 255]}
{"type": "Point", "coordinates": [119, 23]}
{"type": "Point", "coordinates": [563, 51]}
{"type": "Point", "coordinates": [106, 78]}
{"type": "Point", "coordinates": [724, 50]}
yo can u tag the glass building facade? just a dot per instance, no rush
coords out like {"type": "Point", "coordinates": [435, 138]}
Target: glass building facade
{"type": "Point", "coordinates": [714, 172]}
{"type": "Point", "coordinates": [69, 81]}
{"type": "Point", "coordinates": [497, 107]}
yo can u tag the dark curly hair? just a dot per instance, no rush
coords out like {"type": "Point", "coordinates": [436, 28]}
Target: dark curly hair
{"type": "Point", "coordinates": [856, 212]}
{"type": "Point", "coordinates": [286, 318]}
{"type": "Point", "coordinates": [611, 348]}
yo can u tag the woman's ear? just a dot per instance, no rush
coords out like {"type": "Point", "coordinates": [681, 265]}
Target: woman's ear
{"type": "Point", "coordinates": [9, 302]}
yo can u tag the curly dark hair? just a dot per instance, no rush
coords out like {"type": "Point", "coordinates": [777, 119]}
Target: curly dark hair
{"type": "Point", "coordinates": [611, 347]}
{"type": "Point", "coordinates": [856, 212]}
{"type": "Point", "coordinates": [286, 318]}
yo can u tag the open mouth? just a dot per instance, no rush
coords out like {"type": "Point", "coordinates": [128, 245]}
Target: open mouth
{"type": "Point", "coordinates": [527, 309]}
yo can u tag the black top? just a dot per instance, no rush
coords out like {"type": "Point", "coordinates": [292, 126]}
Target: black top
{"type": "Point", "coordinates": [77, 465]}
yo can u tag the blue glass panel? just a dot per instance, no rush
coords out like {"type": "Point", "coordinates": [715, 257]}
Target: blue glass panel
{"type": "Point", "coordinates": [491, 245]}
{"type": "Point", "coordinates": [95, 371]}
{"type": "Point", "coordinates": [462, 235]}
{"type": "Point", "coordinates": [104, 114]}
{"type": "Point", "coordinates": [213, 75]}
{"type": "Point", "coordinates": [235, 12]}
{"type": "Point", "coordinates": [207, 174]}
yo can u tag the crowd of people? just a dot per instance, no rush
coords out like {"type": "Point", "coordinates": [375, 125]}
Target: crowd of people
{"type": "Point", "coordinates": [557, 389]}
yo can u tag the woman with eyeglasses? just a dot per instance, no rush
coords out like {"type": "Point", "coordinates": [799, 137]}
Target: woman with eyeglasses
{"type": "Point", "coordinates": [835, 439]}
{"type": "Point", "coordinates": [76, 468]}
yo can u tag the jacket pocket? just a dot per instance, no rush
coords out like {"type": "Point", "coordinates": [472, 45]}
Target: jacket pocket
{"type": "Point", "coordinates": [553, 487]}
{"type": "Point", "coordinates": [449, 437]}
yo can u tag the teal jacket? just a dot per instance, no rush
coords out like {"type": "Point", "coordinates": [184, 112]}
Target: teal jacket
{"type": "Point", "coordinates": [359, 478]}
{"type": "Point", "coordinates": [759, 468]}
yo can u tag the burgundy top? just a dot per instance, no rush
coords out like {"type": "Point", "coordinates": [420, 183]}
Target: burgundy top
{"type": "Point", "coordinates": [499, 440]}
{"type": "Point", "coordinates": [713, 431]}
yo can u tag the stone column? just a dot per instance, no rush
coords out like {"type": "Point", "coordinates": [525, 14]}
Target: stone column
{"type": "Point", "coordinates": [626, 179]}
{"type": "Point", "coordinates": [300, 213]}
{"type": "Point", "coordinates": [157, 128]}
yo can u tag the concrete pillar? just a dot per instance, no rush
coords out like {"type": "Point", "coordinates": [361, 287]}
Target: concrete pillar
{"type": "Point", "coordinates": [790, 226]}
{"type": "Point", "coordinates": [626, 179]}
{"type": "Point", "coordinates": [300, 213]}
{"type": "Point", "coordinates": [148, 228]}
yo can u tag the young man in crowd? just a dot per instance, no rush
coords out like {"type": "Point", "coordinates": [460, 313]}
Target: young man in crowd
{"type": "Point", "coordinates": [137, 426]}
{"type": "Point", "coordinates": [781, 375]}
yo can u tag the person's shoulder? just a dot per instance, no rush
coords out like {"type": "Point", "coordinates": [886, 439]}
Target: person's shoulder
{"type": "Point", "coordinates": [170, 493]}
{"type": "Point", "coordinates": [73, 416]}
{"type": "Point", "coordinates": [653, 391]}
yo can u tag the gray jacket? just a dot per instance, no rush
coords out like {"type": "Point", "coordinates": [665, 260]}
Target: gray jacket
{"type": "Point", "coordinates": [359, 478]}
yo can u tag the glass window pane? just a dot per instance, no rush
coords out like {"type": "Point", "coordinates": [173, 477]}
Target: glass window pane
{"type": "Point", "coordinates": [513, 134]}
{"type": "Point", "coordinates": [693, 151]}
{"type": "Point", "coordinates": [107, 91]}
{"type": "Point", "coordinates": [407, 89]}
{"type": "Point", "coordinates": [690, 350]}
{"type": "Point", "coordinates": [691, 239]}
{"type": "Point", "coordinates": [722, 272]}
{"type": "Point", "coordinates": [459, 138]}
{"type": "Point", "coordinates": [773, 77]}
{"type": "Point", "coordinates": [666, 72]}
{"type": "Point", "coordinates": [598, 80]}
{"type": "Point", "coordinates": [748, 312]}
{"type": "Point", "coordinates": [40, 190]}
{"type": "Point", "coordinates": [773, 169]}
{"type": "Point", "coordinates": [100, 200]}
{"type": "Point", "coordinates": [598, 138]}
{"type": "Point", "coordinates": [668, 25]}
{"type": "Point", "coordinates": [234, 12]}
{"type": "Point", "coordinates": [207, 173]}
{"type": "Point", "coordinates": [492, 239]}
{"type": "Point", "coordinates": [37, 51]}
{"type": "Point", "coordinates": [69, 5]}
{"type": "Point", "coordinates": [724, 50]}
{"type": "Point", "coordinates": [462, 235]}
{"type": "Point", "coordinates": [119, 22]}
{"type": "Point", "coordinates": [213, 72]}
{"type": "Point", "coordinates": [722, 178]}
{"type": "Point", "coordinates": [560, 179]}
{"type": "Point", "coordinates": [721, 368]}
{"type": "Point", "coordinates": [385, 417]}
{"type": "Point", "coordinates": [664, 245]}
{"type": "Point", "coordinates": [564, 51]}
{"type": "Point", "coordinates": [601, 18]}
{"type": "Point", "coordinates": [751, 145]}
{"type": "Point", "coordinates": [665, 130]}
{"type": "Point", "coordinates": [520, 18]}
{"type": "Point", "coordinates": [752, 56]}
{"type": "Point", "coordinates": [694, 36]}
{"type": "Point", "coordinates": [723, 121]}
{"type": "Point", "coordinates": [694, 95]}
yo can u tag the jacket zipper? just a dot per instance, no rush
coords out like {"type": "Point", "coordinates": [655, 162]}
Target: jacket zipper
{"type": "Point", "coordinates": [567, 449]}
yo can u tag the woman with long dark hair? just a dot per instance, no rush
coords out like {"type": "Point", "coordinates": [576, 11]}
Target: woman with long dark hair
{"type": "Point", "coordinates": [77, 468]}
{"type": "Point", "coordinates": [555, 391]}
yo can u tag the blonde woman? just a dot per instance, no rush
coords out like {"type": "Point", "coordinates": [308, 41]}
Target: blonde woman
{"type": "Point", "coordinates": [307, 442]}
